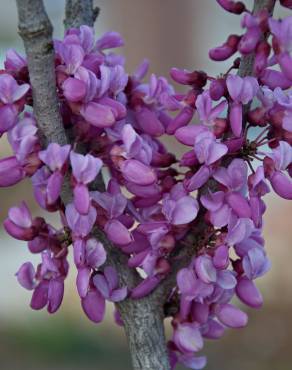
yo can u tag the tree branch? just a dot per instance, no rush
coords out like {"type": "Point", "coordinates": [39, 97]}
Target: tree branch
{"type": "Point", "coordinates": [36, 30]}
{"type": "Point", "coordinates": [79, 12]}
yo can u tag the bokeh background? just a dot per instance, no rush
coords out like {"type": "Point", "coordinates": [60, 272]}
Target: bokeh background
{"type": "Point", "coordinates": [169, 33]}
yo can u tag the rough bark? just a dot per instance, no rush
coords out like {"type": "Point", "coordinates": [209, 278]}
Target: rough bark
{"type": "Point", "coordinates": [36, 30]}
{"type": "Point", "coordinates": [79, 12]}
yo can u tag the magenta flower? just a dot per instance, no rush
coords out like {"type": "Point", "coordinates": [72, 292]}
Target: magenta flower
{"type": "Point", "coordinates": [251, 38]}
{"type": "Point", "coordinates": [145, 287]}
{"type": "Point", "coordinates": [14, 61]}
{"type": "Point", "coordinates": [255, 263]}
{"type": "Point", "coordinates": [231, 316]}
{"type": "Point", "coordinates": [93, 305]}
{"type": "Point", "coordinates": [248, 293]}
{"type": "Point", "coordinates": [11, 171]}
{"type": "Point", "coordinates": [234, 177]}
{"type": "Point", "coordinates": [286, 102]}
{"type": "Point", "coordinates": [149, 122]}
{"type": "Point", "coordinates": [74, 89]}
{"type": "Point", "coordinates": [55, 156]}
{"type": "Point", "coordinates": [135, 146]}
{"type": "Point", "coordinates": [281, 31]}
{"type": "Point", "coordinates": [107, 284]}
{"type": "Point", "coordinates": [98, 115]}
{"type": "Point", "coordinates": [207, 149]}
{"type": "Point", "coordinates": [198, 179]}
{"type": "Point", "coordinates": [178, 207]}
{"type": "Point", "coordinates": [242, 91]}
{"type": "Point", "coordinates": [25, 276]}
{"type": "Point", "coordinates": [112, 201]}
{"type": "Point", "coordinates": [84, 170]}
{"type": "Point", "coordinates": [81, 225]}
{"type": "Point", "coordinates": [23, 138]}
{"type": "Point", "coordinates": [281, 158]}
{"type": "Point", "coordinates": [226, 50]}
{"type": "Point", "coordinates": [109, 40]}
{"type": "Point", "coordinates": [206, 113]}
{"type": "Point", "coordinates": [117, 232]}
{"type": "Point", "coordinates": [137, 172]}
{"type": "Point", "coordinates": [188, 338]}
{"type": "Point", "coordinates": [236, 7]}
{"type": "Point", "coordinates": [19, 223]}
{"type": "Point", "coordinates": [89, 253]}
{"type": "Point", "coordinates": [50, 288]}
{"type": "Point", "coordinates": [8, 118]}
{"type": "Point", "coordinates": [10, 91]}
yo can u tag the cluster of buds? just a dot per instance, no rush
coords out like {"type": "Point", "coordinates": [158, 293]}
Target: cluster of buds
{"type": "Point", "coordinates": [235, 133]}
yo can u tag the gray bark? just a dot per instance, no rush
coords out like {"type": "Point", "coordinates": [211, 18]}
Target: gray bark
{"type": "Point", "coordinates": [79, 12]}
{"type": "Point", "coordinates": [36, 30]}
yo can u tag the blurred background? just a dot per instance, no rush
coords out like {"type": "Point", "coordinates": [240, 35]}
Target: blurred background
{"type": "Point", "coordinates": [169, 33]}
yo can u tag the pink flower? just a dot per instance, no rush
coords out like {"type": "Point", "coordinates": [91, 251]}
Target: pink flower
{"type": "Point", "coordinates": [84, 169]}
{"type": "Point", "coordinates": [10, 91]}
{"type": "Point", "coordinates": [242, 91]}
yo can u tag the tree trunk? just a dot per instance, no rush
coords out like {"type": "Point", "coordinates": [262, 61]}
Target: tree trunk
{"type": "Point", "coordinates": [143, 321]}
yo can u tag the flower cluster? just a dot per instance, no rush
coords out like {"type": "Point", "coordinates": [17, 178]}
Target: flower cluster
{"type": "Point", "coordinates": [236, 135]}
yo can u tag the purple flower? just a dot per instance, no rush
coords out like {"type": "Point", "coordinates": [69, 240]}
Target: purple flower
{"type": "Point", "coordinates": [137, 172]}
{"type": "Point", "coordinates": [55, 156]}
{"type": "Point", "coordinates": [187, 135]}
{"type": "Point", "coordinates": [107, 284]}
{"type": "Point", "coordinates": [206, 113]}
{"type": "Point", "coordinates": [198, 179]}
{"type": "Point", "coordinates": [226, 50]}
{"type": "Point", "coordinates": [109, 40]}
{"type": "Point", "coordinates": [251, 38]}
{"type": "Point", "coordinates": [231, 316]}
{"type": "Point", "coordinates": [281, 158]}
{"type": "Point", "coordinates": [8, 115]}
{"type": "Point", "coordinates": [98, 115]}
{"type": "Point", "coordinates": [10, 91]}
{"type": "Point", "coordinates": [47, 187]}
{"type": "Point", "coordinates": [81, 225]}
{"type": "Point", "coordinates": [242, 91]}
{"type": "Point", "coordinates": [188, 338]}
{"type": "Point", "coordinates": [149, 122]}
{"type": "Point", "coordinates": [23, 138]}
{"type": "Point", "coordinates": [239, 230]}
{"type": "Point", "coordinates": [19, 223]}
{"type": "Point", "coordinates": [113, 201]}
{"type": "Point", "coordinates": [248, 293]}
{"type": "Point", "coordinates": [118, 232]}
{"type": "Point", "coordinates": [207, 149]}
{"type": "Point", "coordinates": [25, 276]}
{"type": "Point", "coordinates": [178, 207]}
{"type": "Point", "coordinates": [50, 289]}
{"type": "Point", "coordinates": [234, 177]}
{"type": "Point", "coordinates": [93, 305]}
{"type": "Point", "coordinates": [281, 31]}
{"type": "Point", "coordinates": [11, 171]}
{"type": "Point", "coordinates": [14, 61]}
{"type": "Point", "coordinates": [74, 89]}
{"type": "Point", "coordinates": [135, 146]}
{"type": "Point", "coordinates": [84, 169]}
{"type": "Point", "coordinates": [205, 269]}
{"type": "Point", "coordinates": [255, 263]}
